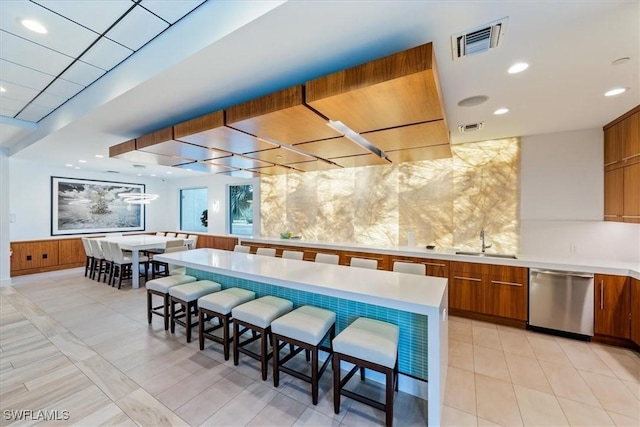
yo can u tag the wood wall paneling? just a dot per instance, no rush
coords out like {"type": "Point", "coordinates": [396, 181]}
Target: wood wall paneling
{"type": "Point", "coordinates": [71, 251]}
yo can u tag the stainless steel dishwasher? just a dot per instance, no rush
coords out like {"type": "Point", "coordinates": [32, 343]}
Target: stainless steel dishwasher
{"type": "Point", "coordinates": [561, 302]}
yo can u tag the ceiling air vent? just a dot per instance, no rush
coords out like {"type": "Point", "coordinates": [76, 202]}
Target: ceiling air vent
{"type": "Point", "coordinates": [470, 127]}
{"type": "Point", "coordinates": [478, 40]}
{"type": "Point", "coordinates": [111, 172]}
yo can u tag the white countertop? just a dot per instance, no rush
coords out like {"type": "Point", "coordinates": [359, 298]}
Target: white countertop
{"type": "Point", "coordinates": [407, 292]}
{"type": "Point", "coordinates": [523, 260]}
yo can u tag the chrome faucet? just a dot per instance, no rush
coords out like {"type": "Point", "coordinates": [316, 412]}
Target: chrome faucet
{"type": "Point", "coordinates": [483, 245]}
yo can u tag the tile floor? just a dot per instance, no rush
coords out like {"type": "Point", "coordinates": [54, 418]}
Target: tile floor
{"type": "Point", "coordinates": [69, 343]}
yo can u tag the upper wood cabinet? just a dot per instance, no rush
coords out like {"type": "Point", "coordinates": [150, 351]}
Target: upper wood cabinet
{"type": "Point", "coordinates": [612, 306]}
{"type": "Point", "coordinates": [622, 168]}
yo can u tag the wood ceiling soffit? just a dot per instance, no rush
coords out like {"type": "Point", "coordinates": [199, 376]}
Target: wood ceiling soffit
{"type": "Point", "coordinates": [280, 156]}
{"type": "Point", "coordinates": [282, 117]}
{"type": "Point", "coordinates": [199, 124]}
{"type": "Point", "coordinates": [241, 173]}
{"type": "Point", "coordinates": [396, 90]}
{"type": "Point", "coordinates": [242, 162]}
{"type": "Point", "coordinates": [433, 152]}
{"type": "Point", "coordinates": [205, 167]}
{"type": "Point", "coordinates": [122, 148]}
{"type": "Point", "coordinates": [411, 136]}
{"type": "Point", "coordinates": [315, 165]}
{"type": "Point", "coordinates": [275, 170]}
{"type": "Point", "coordinates": [332, 147]}
{"type": "Point", "coordinates": [143, 157]}
{"type": "Point", "coordinates": [184, 150]}
{"type": "Point", "coordinates": [362, 160]}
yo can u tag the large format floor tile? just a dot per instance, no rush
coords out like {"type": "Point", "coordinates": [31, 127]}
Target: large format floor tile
{"type": "Point", "coordinates": [67, 342]}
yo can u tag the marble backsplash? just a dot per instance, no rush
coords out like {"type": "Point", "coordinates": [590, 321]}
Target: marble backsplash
{"type": "Point", "coordinates": [444, 202]}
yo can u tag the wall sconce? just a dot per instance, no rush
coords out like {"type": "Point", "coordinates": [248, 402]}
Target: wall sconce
{"type": "Point", "coordinates": [215, 206]}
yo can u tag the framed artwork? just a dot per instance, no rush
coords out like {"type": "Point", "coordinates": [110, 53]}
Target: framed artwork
{"type": "Point", "coordinates": [82, 206]}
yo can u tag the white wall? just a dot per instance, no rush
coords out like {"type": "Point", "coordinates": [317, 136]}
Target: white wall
{"type": "Point", "coordinates": [4, 216]}
{"type": "Point", "coordinates": [30, 198]}
{"type": "Point", "coordinates": [562, 200]}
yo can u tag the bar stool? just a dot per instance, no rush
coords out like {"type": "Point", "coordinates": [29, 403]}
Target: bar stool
{"type": "Point", "coordinates": [256, 316]}
{"type": "Point", "coordinates": [219, 305]}
{"type": "Point", "coordinates": [364, 263]}
{"type": "Point", "coordinates": [243, 249]}
{"type": "Point", "coordinates": [292, 254]}
{"type": "Point", "coordinates": [370, 344]}
{"type": "Point", "coordinates": [160, 287]}
{"type": "Point", "coordinates": [266, 251]}
{"type": "Point", "coordinates": [187, 296]}
{"type": "Point", "coordinates": [327, 258]}
{"type": "Point", "coordinates": [410, 268]}
{"type": "Point", "coordinates": [304, 328]}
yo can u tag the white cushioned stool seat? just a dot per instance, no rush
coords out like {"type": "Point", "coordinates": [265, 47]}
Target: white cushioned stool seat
{"type": "Point", "coordinates": [164, 283]}
{"type": "Point", "coordinates": [370, 340]}
{"type": "Point", "coordinates": [263, 311]}
{"type": "Point", "coordinates": [176, 271]}
{"type": "Point", "coordinates": [307, 324]}
{"type": "Point", "coordinates": [222, 302]}
{"type": "Point", "coordinates": [194, 290]}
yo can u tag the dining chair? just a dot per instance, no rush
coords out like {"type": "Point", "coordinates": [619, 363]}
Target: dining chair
{"type": "Point", "coordinates": [410, 268]}
{"type": "Point", "coordinates": [364, 263]}
{"type": "Point", "coordinates": [170, 234]}
{"type": "Point", "coordinates": [327, 258]}
{"type": "Point", "coordinates": [292, 254]}
{"type": "Point", "coordinates": [87, 250]}
{"type": "Point", "coordinates": [181, 236]}
{"type": "Point", "coordinates": [98, 256]}
{"type": "Point", "coordinates": [266, 251]}
{"type": "Point", "coordinates": [193, 241]}
{"type": "Point", "coordinates": [122, 266]}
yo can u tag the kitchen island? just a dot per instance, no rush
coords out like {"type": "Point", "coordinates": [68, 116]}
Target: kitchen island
{"type": "Point", "coordinates": [417, 304]}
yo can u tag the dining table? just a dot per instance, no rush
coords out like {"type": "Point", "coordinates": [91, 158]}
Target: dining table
{"type": "Point", "coordinates": [135, 244]}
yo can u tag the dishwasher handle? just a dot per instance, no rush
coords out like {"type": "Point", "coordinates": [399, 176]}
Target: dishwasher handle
{"type": "Point", "coordinates": [563, 273]}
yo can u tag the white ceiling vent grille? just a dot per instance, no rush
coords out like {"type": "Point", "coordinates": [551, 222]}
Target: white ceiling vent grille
{"type": "Point", "coordinates": [478, 40]}
{"type": "Point", "coordinates": [470, 127]}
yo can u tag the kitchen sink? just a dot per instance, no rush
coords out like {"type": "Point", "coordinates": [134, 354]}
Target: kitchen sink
{"type": "Point", "coordinates": [508, 256]}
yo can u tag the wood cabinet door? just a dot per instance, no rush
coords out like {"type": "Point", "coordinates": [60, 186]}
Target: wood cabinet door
{"type": "Point", "coordinates": [48, 253]}
{"type": "Point", "coordinates": [631, 146]}
{"type": "Point", "coordinates": [635, 310]}
{"type": "Point", "coordinates": [71, 251]}
{"type": "Point", "coordinates": [612, 147]}
{"type": "Point", "coordinates": [24, 256]}
{"type": "Point", "coordinates": [506, 292]}
{"type": "Point", "coordinates": [613, 194]}
{"type": "Point", "coordinates": [466, 291]}
{"type": "Point", "coordinates": [631, 203]}
{"type": "Point", "coordinates": [612, 306]}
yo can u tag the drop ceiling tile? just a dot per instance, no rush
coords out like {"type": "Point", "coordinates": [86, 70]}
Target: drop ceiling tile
{"type": "Point", "coordinates": [6, 113]}
{"type": "Point", "coordinates": [137, 28]}
{"type": "Point", "coordinates": [24, 76]}
{"type": "Point", "coordinates": [49, 100]}
{"type": "Point", "coordinates": [18, 92]}
{"type": "Point", "coordinates": [28, 54]}
{"type": "Point", "coordinates": [83, 73]}
{"type": "Point", "coordinates": [34, 113]}
{"type": "Point", "coordinates": [84, 11]}
{"type": "Point", "coordinates": [64, 88]}
{"type": "Point", "coordinates": [106, 54]}
{"type": "Point", "coordinates": [11, 106]}
{"type": "Point", "coordinates": [62, 35]}
{"type": "Point", "coordinates": [171, 10]}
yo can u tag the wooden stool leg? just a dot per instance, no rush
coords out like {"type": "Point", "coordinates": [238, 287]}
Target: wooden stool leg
{"type": "Point", "coordinates": [201, 329]}
{"type": "Point", "coordinates": [166, 311]}
{"type": "Point", "coordinates": [276, 361]}
{"type": "Point", "coordinates": [188, 322]}
{"type": "Point", "coordinates": [149, 306]}
{"type": "Point", "coordinates": [263, 358]}
{"type": "Point", "coordinates": [173, 315]}
{"type": "Point", "coordinates": [225, 335]}
{"type": "Point", "coordinates": [236, 341]}
{"type": "Point", "coordinates": [389, 400]}
{"type": "Point", "coordinates": [336, 384]}
{"type": "Point", "coordinates": [314, 375]}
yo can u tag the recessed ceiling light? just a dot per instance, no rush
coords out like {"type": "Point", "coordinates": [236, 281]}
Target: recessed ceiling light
{"type": "Point", "coordinates": [2, 89]}
{"type": "Point", "coordinates": [82, 161]}
{"type": "Point", "coordinates": [169, 172]}
{"type": "Point", "coordinates": [34, 26]}
{"type": "Point", "coordinates": [153, 174]}
{"type": "Point", "coordinates": [518, 68]}
{"type": "Point", "coordinates": [500, 111]}
{"type": "Point", "coordinates": [472, 101]}
{"type": "Point", "coordinates": [69, 165]}
{"type": "Point", "coordinates": [99, 156]}
{"type": "Point", "coordinates": [621, 60]}
{"type": "Point", "coordinates": [141, 174]}
{"type": "Point", "coordinates": [77, 167]}
{"type": "Point", "coordinates": [616, 91]}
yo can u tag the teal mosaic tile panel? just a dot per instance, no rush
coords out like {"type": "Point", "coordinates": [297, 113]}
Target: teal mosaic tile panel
{"type": "Point", "coordinates": [412, 344]}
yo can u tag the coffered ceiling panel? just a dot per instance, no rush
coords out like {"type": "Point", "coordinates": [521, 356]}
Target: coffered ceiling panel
{"type": "Point", "coordinates": [170, 10]}
{"type": "Point", "coordinates": [420, 135]}
{"type": "Point", "coordinates": [28, 54]}
{"type": "Point", "coordinates": [334, 147]}
{"type": "Point", "coordinates": [315, 165]}
{"type": "Point", "coordinates": [24, 76]}
{"type": "Point", "coordinates": [224, 138]}
{"type": "Point", "coordinates": [274, 170]}
{"type": "Point", "coordinates": [137, 28]}
{"type": "Point", "coordinates": [85, 12]}
{"type": "Point", "coordinates": [82, 73]}
{"type": "Point", "coordinates": [62, 36]}
{"type": "Point", "coordinates": [363, 160]}
{"type": "Point", "coordinates": [241, 162]}
{"type": "Point", "coordinates": [106, 54]}
{"type": "Point", "coordinates": [183, 150]}
{"type": "Point", "coordinates": [280, 156]}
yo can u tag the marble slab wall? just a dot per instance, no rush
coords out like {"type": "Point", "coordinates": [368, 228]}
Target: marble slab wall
{"type": "Point", "coordinates": [443, 202]}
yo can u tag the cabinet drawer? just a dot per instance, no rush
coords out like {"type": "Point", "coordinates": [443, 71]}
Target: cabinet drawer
{"type": "Point", "coordinates": [468, 268]}
{"type": "Point", "coordinates": [504, 273]}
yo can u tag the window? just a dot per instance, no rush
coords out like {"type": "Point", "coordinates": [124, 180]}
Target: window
{"type": "Point", "coordinates": [241, 209]}
{"type": "Point", "coordinates": [193, 209]}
